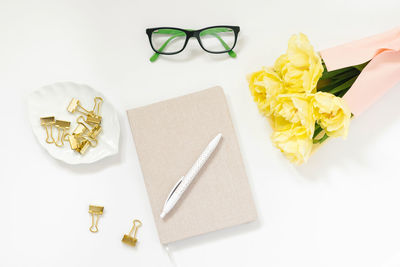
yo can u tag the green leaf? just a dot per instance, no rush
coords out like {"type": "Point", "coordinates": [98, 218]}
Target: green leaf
{"type": "Point", "coordinates": [343, 86]}
{"type": "Point", "coordinates": [319, 141]}
{"type": "Point", "coordinates": [317, 130]}
{"type": "Point", "coordinates": [346, 75]}
{"type": "Point", "coordinates": [331, 86]}
{"type": "Point", "coordinates": [361, 66]}
{"type": "Point", "coordinates": [329, 74]}
{"type": "Point", "coordinates": [342, 93]}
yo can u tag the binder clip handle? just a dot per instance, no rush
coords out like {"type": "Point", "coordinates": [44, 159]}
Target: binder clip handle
{"type": "Point", "coordinates": [49, 136]}
{"type": "Point", "coordinates": [94, 227]}
{"type": "Point", "coordinates": [75, 106]}
{"type": "Point", "coordinates": [62, 127]}
{"type": "Point", "coordinates": [135, 228]}
{"type": "Point", "coordinates": [97, 103]}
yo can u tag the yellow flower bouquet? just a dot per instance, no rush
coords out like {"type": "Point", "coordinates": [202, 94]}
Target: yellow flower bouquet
{"type": "Point", "coordinates": [302, 99]}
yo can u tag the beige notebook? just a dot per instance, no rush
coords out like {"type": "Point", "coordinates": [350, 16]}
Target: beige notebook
{"type": "Point", "coordinates": [169, 137]}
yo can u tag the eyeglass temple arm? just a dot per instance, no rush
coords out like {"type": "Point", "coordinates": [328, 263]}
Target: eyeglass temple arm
{"type": "Point", "coordinates": [179, 33]}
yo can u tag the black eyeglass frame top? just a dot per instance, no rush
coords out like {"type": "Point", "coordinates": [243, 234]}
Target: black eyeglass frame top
{"type": "Point", "coordinates": [195, 34]}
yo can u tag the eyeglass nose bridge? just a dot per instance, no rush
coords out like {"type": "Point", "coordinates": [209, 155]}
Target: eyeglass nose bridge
{"type": "Point", "coordinates": [190, 34]}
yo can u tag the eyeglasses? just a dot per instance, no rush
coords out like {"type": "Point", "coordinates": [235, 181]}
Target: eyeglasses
{"type": "Point", "coordinates": [171, 41]}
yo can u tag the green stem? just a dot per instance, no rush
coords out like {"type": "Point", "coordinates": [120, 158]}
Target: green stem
{"type": "Point", "coordinates": [331, 86]}
{"type": "Point", "coordinates": [329, 74]}
{"type": "Point", "coordinates": [344, 86]}
{"type": "Point", "coordinates": [348, 74]}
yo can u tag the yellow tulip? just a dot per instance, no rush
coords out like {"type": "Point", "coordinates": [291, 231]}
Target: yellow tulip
{"type": "Point", "coordinates": [301, 67]}
{"type": "Point", "coordinates": [332, 113]}
{"type": "Point", "coordinates": [297, 109]}
{"type": "Point", "coordinates": [265, 85]}
{"type": "Point", "coordinates": [279, 123]}
{"type": "Point", "coordinates": [294, 142]}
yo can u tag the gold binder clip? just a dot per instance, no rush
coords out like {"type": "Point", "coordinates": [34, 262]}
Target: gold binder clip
{"type": "Point", "coordinates": [81, 129]}
{"type": "Point", "coordinates": [129, 239]}
{"type": "Point", "coordinates": [81, 120]}
{"type": "Point", "coordinates": [95, 132]}
{"type": "Point", "coordinates": [93, 119]}
{"type": "Point", "coordinates": [62, 127]}
{"type": "Point", "coordinates": [95, 211]}
{"type": "Point", "coordinates": [75, 105]}
{"type": "Point", "coordinates": [47, 123]}
{"type": "Point", "coordinates": [73, 141]}
{"type": "Point", "coordinates": [88, 128]}
{"type": "Point", "coordinates": [84, 145]}
{"type": "Point", "coordinates": [97, 104]}
{"type": "Point", "coordinates": [92, 142]}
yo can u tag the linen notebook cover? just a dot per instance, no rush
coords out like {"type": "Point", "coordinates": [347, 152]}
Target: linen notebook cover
{"type": "Point", "coordinates": [169, 137]}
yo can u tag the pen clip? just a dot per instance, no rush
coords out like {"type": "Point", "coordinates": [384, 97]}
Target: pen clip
{"type": "Point", "coordinates": [173, 190]}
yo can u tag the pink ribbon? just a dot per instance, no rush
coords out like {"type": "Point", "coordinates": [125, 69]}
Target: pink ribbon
{"type": "Point", "coordinates": [381, 73]}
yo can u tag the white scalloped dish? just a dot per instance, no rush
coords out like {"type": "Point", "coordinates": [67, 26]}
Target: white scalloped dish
{"type": "Point", "coordinates": [52, 100]}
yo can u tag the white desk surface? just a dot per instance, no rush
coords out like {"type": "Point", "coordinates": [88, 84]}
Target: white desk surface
{"type": "Point", "coordinates": [340, 209]}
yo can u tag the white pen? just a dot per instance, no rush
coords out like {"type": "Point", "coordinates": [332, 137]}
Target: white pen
{"type": "Point", "coordinates": [183, 183]}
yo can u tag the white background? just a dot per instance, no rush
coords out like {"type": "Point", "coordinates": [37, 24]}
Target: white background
{"type": "Point", "coordinates": [342, 208]}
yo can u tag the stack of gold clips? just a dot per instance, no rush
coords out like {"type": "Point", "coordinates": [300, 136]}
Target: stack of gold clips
{"type": "Point", "coordinates": [86, 132]}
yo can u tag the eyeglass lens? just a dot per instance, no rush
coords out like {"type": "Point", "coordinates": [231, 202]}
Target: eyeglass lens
{"type": "Point", "coordinates": [168, 40]}
{"type": "Point", "coordinates": [218, 39]}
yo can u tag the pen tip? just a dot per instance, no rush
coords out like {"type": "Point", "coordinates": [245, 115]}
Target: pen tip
{"type": "Point", "coordinates": [162, 215]}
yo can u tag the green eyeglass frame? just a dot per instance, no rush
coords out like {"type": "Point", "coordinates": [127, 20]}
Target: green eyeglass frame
{"type": "Point", "coordinates": [214, 31]}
